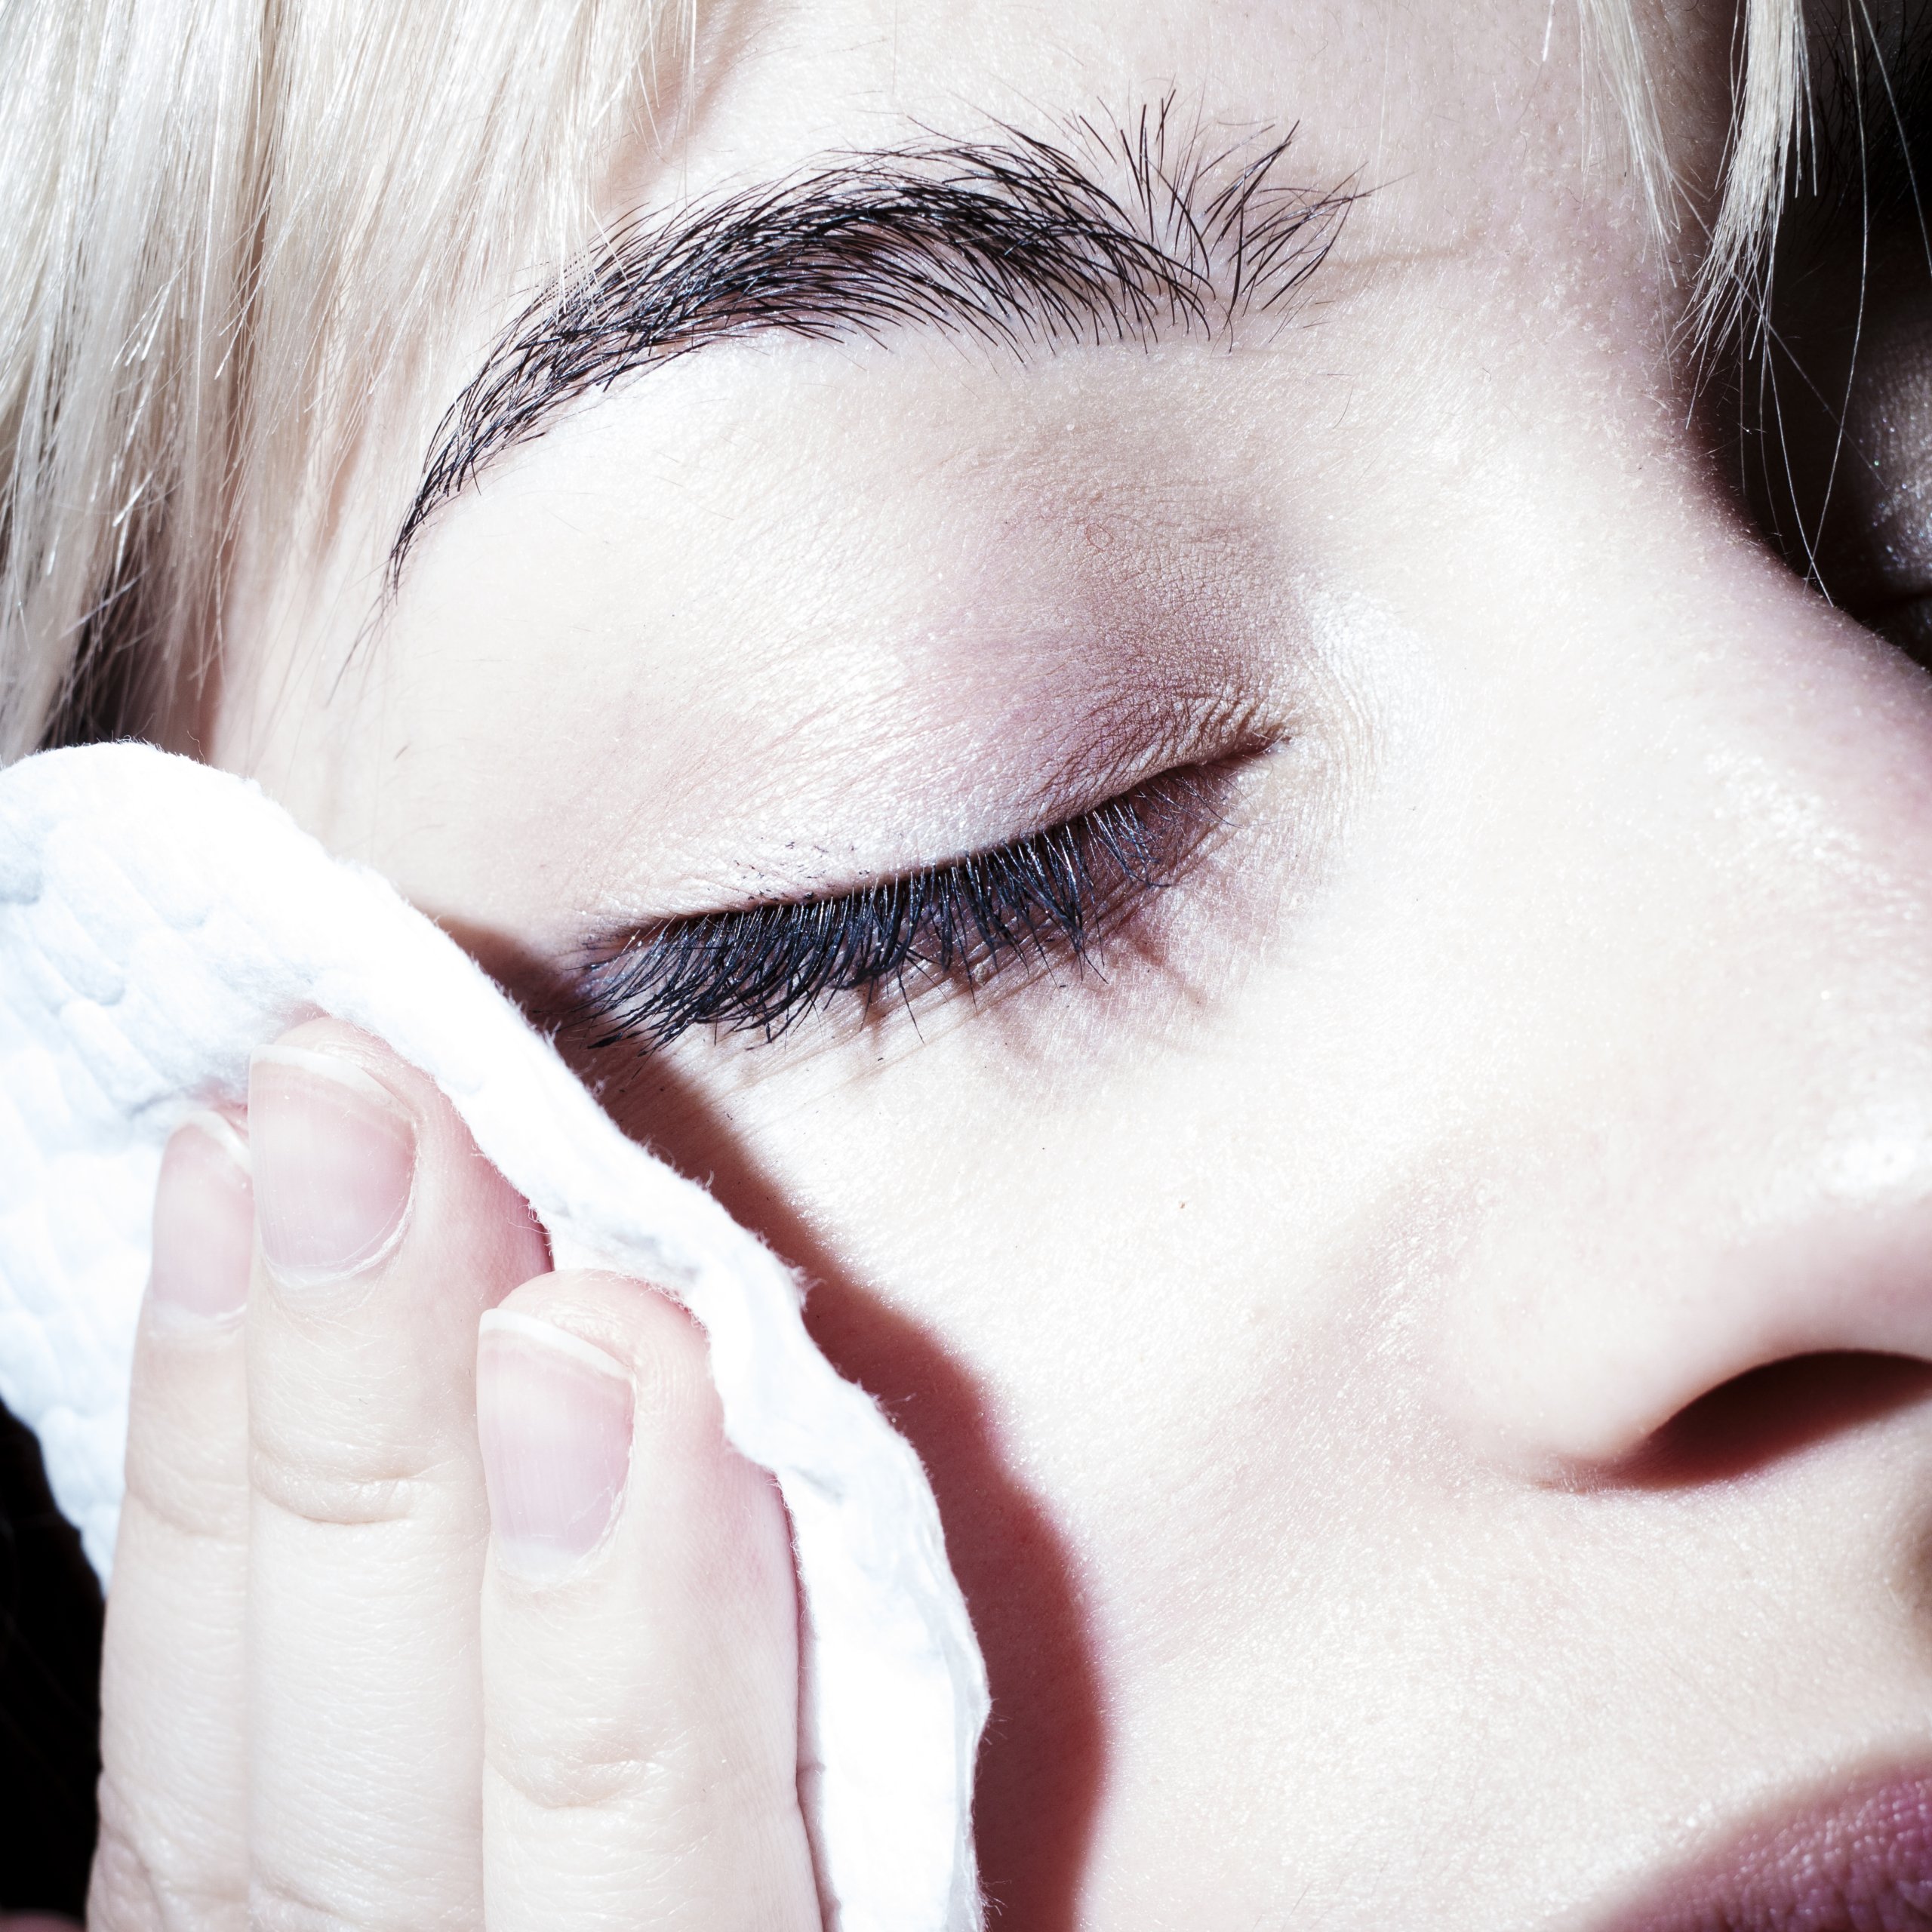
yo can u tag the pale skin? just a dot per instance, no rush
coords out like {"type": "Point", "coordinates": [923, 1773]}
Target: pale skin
{"type": "Point", "coordinates": [1287, 1310]}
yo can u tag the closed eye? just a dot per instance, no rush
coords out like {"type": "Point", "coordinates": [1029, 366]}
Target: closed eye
{"type": "Point", "coordinates": [1053, 897]}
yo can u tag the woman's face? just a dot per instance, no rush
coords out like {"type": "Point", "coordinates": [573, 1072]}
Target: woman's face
{"type": "Point", "coordinates": [1322, 1305]}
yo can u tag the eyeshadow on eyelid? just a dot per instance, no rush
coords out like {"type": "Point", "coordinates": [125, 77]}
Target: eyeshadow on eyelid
{"type": "Point", "coordinates": [831, 817]}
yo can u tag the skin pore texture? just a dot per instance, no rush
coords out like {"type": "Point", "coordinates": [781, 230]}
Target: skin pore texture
{"type": "Point", "coordinates": [1290, 1304]}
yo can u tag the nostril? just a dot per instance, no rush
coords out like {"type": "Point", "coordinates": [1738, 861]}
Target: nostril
{"type": "Point", "coordinates": [1769, 1413]}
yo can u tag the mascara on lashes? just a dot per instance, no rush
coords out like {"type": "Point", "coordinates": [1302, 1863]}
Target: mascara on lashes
{"type": "Point", "coordinates": [1053, 895]}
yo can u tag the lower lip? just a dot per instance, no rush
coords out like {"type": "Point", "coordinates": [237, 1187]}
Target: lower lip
{"type": "Point", "coordinates": [1860, 1862]}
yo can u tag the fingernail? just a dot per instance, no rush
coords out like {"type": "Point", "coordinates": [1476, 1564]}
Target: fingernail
{"type": "Point", "coordinates": [335, 1158]}
{"type": "Point", "coordinates": [204, 1223]}
{"type": "Point", "coordinates": [554, 1415]}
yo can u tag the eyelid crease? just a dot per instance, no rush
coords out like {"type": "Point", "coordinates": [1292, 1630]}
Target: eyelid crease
{"type": "Point", "coordinates": [761, 970]}
{"type": "Point", "coordinates": [1105, 748]}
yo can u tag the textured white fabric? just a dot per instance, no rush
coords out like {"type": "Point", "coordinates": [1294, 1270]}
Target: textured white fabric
{"type": "Point", "coordinates": [157, 921]}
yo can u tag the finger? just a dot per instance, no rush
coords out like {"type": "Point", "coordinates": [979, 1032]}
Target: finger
{"type": "Point", "coordinates": [381, 1235]}
{"type": "Point", "coordinates": [640, 1630]}
{"type": "Point", "coordinates": [173, 1792]}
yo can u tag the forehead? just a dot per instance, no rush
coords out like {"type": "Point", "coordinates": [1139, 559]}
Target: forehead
{"type": "Point", "coordinates": [1455, 101]}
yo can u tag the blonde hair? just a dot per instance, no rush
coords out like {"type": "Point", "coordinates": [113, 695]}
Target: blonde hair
{"type": "Point", "coordinates": [1773, 87]}
{"type": "Point", "coordinates": [217, 225]}
{"type": "Point", "coordinates": [223, 245]}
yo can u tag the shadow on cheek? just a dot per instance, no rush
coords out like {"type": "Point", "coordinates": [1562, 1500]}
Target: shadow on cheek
{"type": "Point", "coordinates": [1040, 1766]}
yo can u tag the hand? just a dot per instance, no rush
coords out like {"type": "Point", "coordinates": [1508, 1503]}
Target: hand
{"type": "Point", "coordinates": [409, 1630]}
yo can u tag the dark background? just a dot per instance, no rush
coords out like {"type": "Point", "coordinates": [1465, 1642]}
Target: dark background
{"type": "Point", "coordinates": [50, 1668]}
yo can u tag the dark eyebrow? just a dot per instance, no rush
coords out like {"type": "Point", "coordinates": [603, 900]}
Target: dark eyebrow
{"type": "Point", "coordinates": [1018, 242]}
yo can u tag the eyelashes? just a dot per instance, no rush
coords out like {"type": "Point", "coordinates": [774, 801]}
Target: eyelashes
{"type": "Point", "coordinates": [1046, 899]}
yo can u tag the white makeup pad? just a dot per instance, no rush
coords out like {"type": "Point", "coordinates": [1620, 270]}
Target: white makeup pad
{"type": "Point", "coordinates": [159, 919]}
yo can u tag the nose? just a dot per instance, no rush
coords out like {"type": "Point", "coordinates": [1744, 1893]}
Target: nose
{"type": "Point", "coordinates": [1704, 1141]}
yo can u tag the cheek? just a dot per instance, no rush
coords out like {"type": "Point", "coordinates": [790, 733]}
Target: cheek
{"type": "Point", "coordinates": [1112, 1315]}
